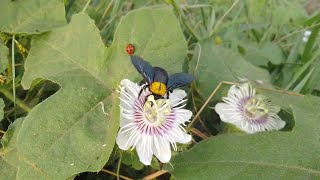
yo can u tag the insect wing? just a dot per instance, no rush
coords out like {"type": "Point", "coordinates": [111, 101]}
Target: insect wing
{"type": "Point", "coordinates": [143, 67]}
{"type": "Point", "coordinates": [178, 80]}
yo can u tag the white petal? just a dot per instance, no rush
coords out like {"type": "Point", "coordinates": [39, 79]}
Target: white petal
{"type": "Point", "coordinates": [176, 96]}
{"type": "Point", "coordinates": [123, 120]}
{"type": "Point", "coordinates": [307, 33]}
{"type": "Point", "coordinates": [182, 115]}
{"type": "Point", "coordinates": [278, 123]}
{"type": "Point", "coordinates": [245, 126]}
{"type": "Point", "coordinates": [163, 152]}
{"type": "Point", "coordinates": [122, 140]}
{"type": "Point", "coordinates": [145, 150]}
{"type": "Point", "coordinates": [180, 136]}
{"type": "Point", "coordinates": [227, 113]}
{"type": "Point", "coordinates": [126, 100]}
{"type": "Point", "coordinates": [132, 88]}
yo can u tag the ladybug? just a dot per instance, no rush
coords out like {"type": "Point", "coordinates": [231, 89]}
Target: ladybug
{"type": "Point", "coordinates": [130, 49]}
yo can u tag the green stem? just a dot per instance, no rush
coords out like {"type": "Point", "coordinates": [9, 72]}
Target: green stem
{"type": "Point", "coordinates": [119, 165]}
{"type": "Point", "coordinates": [184, 21]}
{"type": "Point", "coordinates": [19, 103]}
{"type": "Point", "coordinates": [86, 6]}
{"type": "Point", "coordinates": [13, 77]}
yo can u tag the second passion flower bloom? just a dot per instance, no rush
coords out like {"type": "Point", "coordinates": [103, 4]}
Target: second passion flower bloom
{"type": "Point", "coordinates": [150, 125]}
{"type": "Point", "coordinates": [248, 111]}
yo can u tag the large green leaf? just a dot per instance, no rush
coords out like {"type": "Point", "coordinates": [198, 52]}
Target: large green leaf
{"type": "Point", "coordinates": [69, 133]}
{"type": "Point", "coordinates": [217, 63]}
{"type": "Point", "coordinates": [6, 170]}
{"type": "Point", "coordinates": [261, 56]}
{"type": "Point", "coordinates": [31, 16]}
{"type": "Point", "coordinates": [4, 53]}
{"type": "Point", "coordinates": [1, 109]}
{"type": "Point", "coordinates": [267, 155]}
{"type": "Point", "coordinates": [9, 150]}
{"type": "Point", "coordinates": [157, 37]}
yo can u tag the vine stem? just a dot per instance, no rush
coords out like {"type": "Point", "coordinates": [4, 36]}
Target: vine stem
{"type": "Point", "coordinates": [294, 32]}
{"type": "Point", "coordinates": [221, 19]}
{"type": "Point", "coordinates": [154, 175]}
{"type": "Point", "coordinates": [19, 103]}
{"type": "Point", "coordinates": [198, 133]}
{"type": "Point", "coordinates": [115, 174]}
{"type": "Point", "coordinates": [86, 6]}
{"type": "Point", "coordinates": [13, 76]}
{"type": "Point", "coordinates": [119, 165]}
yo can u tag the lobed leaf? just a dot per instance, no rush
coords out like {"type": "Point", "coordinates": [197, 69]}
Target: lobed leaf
{"type": "Point", "coordinates": [74, 130]}
{"type": "Point", "coordinates": [31, 16]}
{"type": "Point", "coordinates": [4, 53]}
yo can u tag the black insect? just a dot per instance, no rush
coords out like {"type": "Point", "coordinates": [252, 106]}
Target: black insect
{"type": "Point", "coordinates": [157, 79]}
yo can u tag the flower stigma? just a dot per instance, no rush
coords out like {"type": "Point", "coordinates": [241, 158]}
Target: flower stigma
{"type": "Point", "coordinates": [156, 111]}
{"type": "Point", "coordinates": [256, 107]}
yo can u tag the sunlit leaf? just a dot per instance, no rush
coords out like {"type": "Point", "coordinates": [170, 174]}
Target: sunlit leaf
{"type": "Point", "coordinates": [74, 130]}
{"type": "Point", "coordinates": [9, 143]}
{"type": "Point", "coordinates": [4, 53]}
{"type": "Point", "coordinates": [31, 16]}
{"type": "Point", "coordinates": [1, 109]}
{"type": "Point", "coordinates": [6, 170]}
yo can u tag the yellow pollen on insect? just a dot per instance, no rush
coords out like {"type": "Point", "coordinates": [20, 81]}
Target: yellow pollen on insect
{"type": "Point", "coordinates": [158, 88]}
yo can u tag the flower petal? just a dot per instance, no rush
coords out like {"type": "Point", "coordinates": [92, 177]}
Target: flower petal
{"type": "Point", "coordinates": [122, 140]}
{"type": "Point", "coordinates": [163, 151]}
{"type": "Point", "coordinates": [182, 115]}
{"type": "Point", "coordinates": [228, 113]}
{"type": "Point", "coordinates": [132, 88]}
{"type": "Point", "coordinates": [180, 136]}
{"type": "Point", "coordinates": [176, 96]}
{"type": "Point", "coordinates": [144, 150]}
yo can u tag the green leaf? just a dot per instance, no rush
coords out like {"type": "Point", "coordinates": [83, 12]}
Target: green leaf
{"type": "Point", "coordinates": [9, 150]}
{"type": "Point", "coordinates": [267, 155]}
{"type": "Point", "coordinates": [132, 159]}
{"type": "Point", "coordinates": [217, 64]}
{"type": "Point", "coordinates": [31, 16]}
{"type": "Point", "coordinates": [1, 109]}
{"type": "Point", "coordinates": [6, 170]}
{"type": "Point", "coordinates": [4, 53]}
{"type": "Point", "coordinates": [157, 37]}
{"type": "Point", "coordinates": [261, 56]}
{"type": "Point", "coordinates": [69, 132]}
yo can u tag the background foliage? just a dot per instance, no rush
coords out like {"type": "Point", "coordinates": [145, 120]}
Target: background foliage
{"type": "Point", "coordinates": [61, 63]}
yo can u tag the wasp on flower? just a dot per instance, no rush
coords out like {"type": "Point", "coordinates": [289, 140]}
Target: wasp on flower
{"type": "Point", "coordinates": [249, 111]}
{"type": "Point", "coordinates": [151, 125]}
{"type": "Point", "coordinates": [157, 79]}
{"type": "Point", "coordinates": [152, 115]}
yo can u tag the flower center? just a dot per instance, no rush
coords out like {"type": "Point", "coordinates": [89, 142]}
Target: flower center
{"type": "Point", "coordinates": [256, 107]}
{"type": "Point", "coordinates": [156, 111]}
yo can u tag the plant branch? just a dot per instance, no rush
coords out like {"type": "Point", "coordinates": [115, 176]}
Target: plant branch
{"type": "Point", "coordinates": [19, 103]}
{"type": "Point", "coordinates": [115, 174]}
{"type": "Point", "coordinates": [13, 77]}
{"type": "Point", "coordinates": [154, 175]}
{"type": "Point", "coordinates": [86, 6]}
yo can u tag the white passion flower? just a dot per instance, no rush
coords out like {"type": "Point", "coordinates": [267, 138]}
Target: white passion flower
{"type": "Point", "coordinates": [150, 125]}
{"type": "Point", "coordinates": [249, 112]}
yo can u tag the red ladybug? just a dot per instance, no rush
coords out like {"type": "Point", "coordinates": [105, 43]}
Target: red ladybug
{"type": "Point", "coordinates": [130, 49]}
